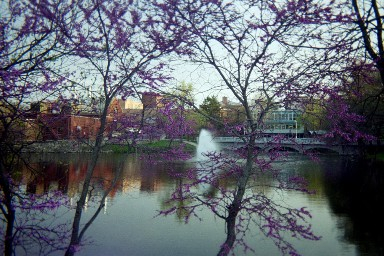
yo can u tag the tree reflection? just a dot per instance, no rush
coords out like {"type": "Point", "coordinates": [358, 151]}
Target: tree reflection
{"type": "Point", "coordinates": [61, 178]}
{"type": "Point", "coordinates": [31, 209]}
{"type": "Point", "coordinates": [356, 193]}
{"type": "Point", "coordinates": [44, 198]}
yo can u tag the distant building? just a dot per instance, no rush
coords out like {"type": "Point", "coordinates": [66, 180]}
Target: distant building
{"type": "Point", "coordinates": [59, 120]}
{"type": "Point", "coordinates": [62, 127]}
{"type": "Point", "coordinates": [132, 104]}
{"type": "Point", "coordinates": [275, 122]}
{"type": "Point", "coordinates": [56, 120]}
{"type": "Point", "coordinates": [120, 106]}
{"type": "Point", "coordinates": [232, 113]}
{"type": "Point", "coordinates": [283, 122]}
{"type": "Point", "coordinates": [151, 100]}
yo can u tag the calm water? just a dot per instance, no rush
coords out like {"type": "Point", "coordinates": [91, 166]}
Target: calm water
{"type": "Point", "coordinates": [346, 208]}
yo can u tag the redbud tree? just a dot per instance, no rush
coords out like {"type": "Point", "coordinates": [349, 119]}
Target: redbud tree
{"type": "Point", "coordinates": [30, 43]}
{"type": "Point", "coordinates": [261, 52]}
{"type": "Point", "coordinates": [118, 48]}
{"type": "Point", "coordinates": [105, 49]}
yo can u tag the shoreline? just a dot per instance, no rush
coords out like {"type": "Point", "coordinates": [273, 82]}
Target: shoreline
{"type": "Point", "coordinates": [74, 146]}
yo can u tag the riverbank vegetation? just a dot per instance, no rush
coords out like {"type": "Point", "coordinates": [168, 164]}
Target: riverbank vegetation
{"type": "Point", "coordinates": [147, 147]}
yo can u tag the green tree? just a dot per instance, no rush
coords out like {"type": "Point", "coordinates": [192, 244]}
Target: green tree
{"type": "Point", "coordinates": [210, 108]}
{"type": "Point", "coordinates": [365, 97]}
{"type": "Point", "coordinates": [314, 117]}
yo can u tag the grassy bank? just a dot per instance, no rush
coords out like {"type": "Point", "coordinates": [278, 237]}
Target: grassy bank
{"type": "Point", "coordinates": [118, 148]}
{"type": "Point", "coordinates": [72, 146]}
{"type": "Point", "coordinates": [162, 145]}
{"type": "Point", "coordinates": [150, 146]}
{"type": "Point", "coordinates": [380, 156]}
{"type": "Point", "coordinates": [375, 153]}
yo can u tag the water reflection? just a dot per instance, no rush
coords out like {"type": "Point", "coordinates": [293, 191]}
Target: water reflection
{"type": "Point", "coordinates": [349, 196]}
{"type": "Point", "coordinates": [67, 172]}
{"type": "Point", "coordinates": [356, 194]}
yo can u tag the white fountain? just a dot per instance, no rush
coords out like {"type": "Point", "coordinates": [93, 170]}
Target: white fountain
{"type": "Point", "coordinates": [205, 145]}
{"type": "Point", "coordinates": [203, 163]}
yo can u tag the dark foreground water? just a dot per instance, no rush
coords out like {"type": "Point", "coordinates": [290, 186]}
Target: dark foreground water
{"type": "Point", "coordinates": [346, 207]}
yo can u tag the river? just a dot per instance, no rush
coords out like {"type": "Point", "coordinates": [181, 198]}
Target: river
{"type": "Point", "coordinates": [346, 207]}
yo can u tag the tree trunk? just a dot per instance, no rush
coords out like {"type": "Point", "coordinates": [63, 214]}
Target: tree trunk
{"type": "Point", "coordinates": [8, 244]}
{"type": "Point", "coordinates": [235, 207]}
{"type": "Point", "coordinates": [9, 214]}
{"type": "Point", "coordinates": [230, 222]}
{"type": "Point", "coordinates": [8, 239]}
{"type": "Point", "coordinates": [233, 210]}
{"type": "Point", "coordinates": [75, 239]}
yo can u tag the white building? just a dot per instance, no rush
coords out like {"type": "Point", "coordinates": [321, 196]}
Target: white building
{"type": "Point", "coordinates": [284, 122]}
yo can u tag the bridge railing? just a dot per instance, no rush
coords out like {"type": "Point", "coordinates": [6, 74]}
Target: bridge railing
{"type": "Point", "coordinates": [227, 139]}
{"type": "Point", "coordinates": [270, 140]}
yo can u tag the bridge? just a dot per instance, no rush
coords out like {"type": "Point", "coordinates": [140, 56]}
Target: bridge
{"type": "Point", "coordinates": [300, 145]}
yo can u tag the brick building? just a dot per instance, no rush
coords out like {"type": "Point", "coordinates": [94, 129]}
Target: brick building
{"type": "Point", "coordinates": [62, 127]}
{"type": "Point", "coordinates": [52, 121]}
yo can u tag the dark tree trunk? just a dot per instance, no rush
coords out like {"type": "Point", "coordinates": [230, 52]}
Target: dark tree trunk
{"type": "Point", "coordinates": [8, 244]}
{"type": "Point", "coordinates": [9, 213]}
{"type": "Point", "coordinates": [235, 207]}
{"type": "Point", "coordinates": [75, 238]}
{"type": "Point", "coordinates": [230, 222]}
